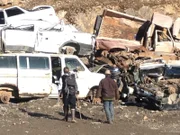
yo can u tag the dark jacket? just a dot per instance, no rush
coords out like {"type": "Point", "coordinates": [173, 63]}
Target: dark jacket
{"type": "Point", "coordinates": [70, 81]}
{"type": "Point", "coordinates": [108, 89]}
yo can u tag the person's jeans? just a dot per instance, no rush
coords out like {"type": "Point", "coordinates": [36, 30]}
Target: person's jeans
{"type": "Point", "coordinates": [109, 110]}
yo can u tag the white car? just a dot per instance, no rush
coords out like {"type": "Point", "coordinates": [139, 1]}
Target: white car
{"type": "Point", "coordinates": [11, 15]}
{"type": "Point", "coordinates": [38, 74]}
{"type": "Point", "coordinates": [41, 36]}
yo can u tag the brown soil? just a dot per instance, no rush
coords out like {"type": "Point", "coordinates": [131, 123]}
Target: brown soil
{"type": "Point", "coordinates": [44, 117]}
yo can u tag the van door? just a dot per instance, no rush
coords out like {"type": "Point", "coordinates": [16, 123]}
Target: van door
{"type": "Point", "coordinates": [81, 75]}
{"type": "Point", "coordinates": [34, 75]}
{"type": "Point", "coordinates": [51, 40]}
{"type": "Point", "coordinates": [57, 73]}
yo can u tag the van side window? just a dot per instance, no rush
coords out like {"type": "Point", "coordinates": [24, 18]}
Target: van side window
{"type": "Point", "coordinates": [56, 66]}
{"type": "Point", "coordinates": [56, 63]}
{"type": "Point", "coordinates": [38, 63]}
{"type": "Point", "coordinates": [73, 63]}
{"type": "Point", "coordinates": [23, 62]}
{"type": "Point", "coordinates": [8, 62]}
{"type": "Point", "coordinates": [2, 20]}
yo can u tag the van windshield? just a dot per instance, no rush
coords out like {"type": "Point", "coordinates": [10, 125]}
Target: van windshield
{"type": "Point", "coordinates": [73, 63]}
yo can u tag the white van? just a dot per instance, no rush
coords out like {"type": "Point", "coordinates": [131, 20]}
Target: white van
{"type": "Point", "coordinates": [32, 75]}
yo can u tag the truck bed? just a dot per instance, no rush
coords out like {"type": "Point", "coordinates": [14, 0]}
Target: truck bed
{"type": "Point", "coordinates": [118, 30]}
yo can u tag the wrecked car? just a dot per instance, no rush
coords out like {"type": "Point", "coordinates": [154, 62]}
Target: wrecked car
{"type": "Point", "coordinates": [123, 79]}
{"type": "Point", "coordinates": [160, 69]}
{"type": "Point", "coordinates": [116, 31]}
{"type": "Point", "coordinates": [38, 75]}
{"type": "Point", "coordinates": [15, 14]}
{"type": "Point", "coordinates": [153, 82]}
{"type": "Point", "coordinates": [42, 36]}
{"type": "Point", "coordinates": [158, 84]}
{"type": "Point", "coordinates": [162, 34]}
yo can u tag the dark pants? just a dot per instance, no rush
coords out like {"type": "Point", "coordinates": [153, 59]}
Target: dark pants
{"type": "Point", "coordinates": [109, 110]}
{"type": "Point", "coordinates": [68, 101]}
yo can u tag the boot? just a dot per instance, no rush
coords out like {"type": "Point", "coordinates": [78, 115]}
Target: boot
{"type": "Point", "coordinates": [73, 116]}
{"type": "Point", "coordinates": [66, 110]}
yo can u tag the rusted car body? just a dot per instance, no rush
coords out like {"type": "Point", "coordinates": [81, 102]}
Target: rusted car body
{"type": "Point", "coordinates": [162, 34]}
{"type": "Point", "coordinates": [118, 30]}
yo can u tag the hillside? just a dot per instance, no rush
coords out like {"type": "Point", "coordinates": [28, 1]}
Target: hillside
{"type": "Point", "coordinates": [83, 13]}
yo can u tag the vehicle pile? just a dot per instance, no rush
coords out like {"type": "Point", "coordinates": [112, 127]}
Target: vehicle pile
{"type": "Point", "coordinates": [146, 52]}
{"type": "Point", "coordinates": [36, 46]}
{"type": "Point", "coordinates": [143, 54]}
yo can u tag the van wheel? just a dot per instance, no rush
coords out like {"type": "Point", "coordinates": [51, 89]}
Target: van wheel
{"type": "Point", "coordinates": [5, 97]}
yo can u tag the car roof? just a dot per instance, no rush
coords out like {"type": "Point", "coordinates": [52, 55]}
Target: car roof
{"type": "Point", "coordinates": [39, 54]}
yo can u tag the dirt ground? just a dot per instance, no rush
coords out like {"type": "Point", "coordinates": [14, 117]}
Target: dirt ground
{"type": "Point", "coordinates": [44, 117]}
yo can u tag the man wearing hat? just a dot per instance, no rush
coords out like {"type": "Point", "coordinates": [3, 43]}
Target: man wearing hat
{"type": "Point", "coordinates": [108, 91]}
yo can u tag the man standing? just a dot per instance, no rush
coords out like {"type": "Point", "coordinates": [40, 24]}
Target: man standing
{"type": "Point", "coordinates": [108, 91]}
{"type": "Point", "coordinates": [69, 91]}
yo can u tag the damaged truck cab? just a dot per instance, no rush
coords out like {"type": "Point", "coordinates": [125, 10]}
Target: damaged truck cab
{"type": "Point", "coordinates": [39, 75]}
{"type": "Point", "coordinates": [163, 34]}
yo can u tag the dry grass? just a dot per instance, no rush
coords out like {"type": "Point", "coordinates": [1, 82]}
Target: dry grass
{"type": "Point", "coordinates": [83, 13]}
{"type": "Point", "coordinates": [85, 21]}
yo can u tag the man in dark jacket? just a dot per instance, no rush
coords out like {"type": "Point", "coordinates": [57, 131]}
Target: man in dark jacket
{"type": "Point", "coordinates": [69, 91]}
{"type": "Point", "coordinates": [108, 91]}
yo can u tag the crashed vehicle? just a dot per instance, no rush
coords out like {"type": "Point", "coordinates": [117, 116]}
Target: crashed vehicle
{"type": "Point", "coordinates": [14, 14]}
{"type": "Point", "coordinates": [161, 96]}
{"type": "Point", "coordinates": [42, 36]}
{"type": "Point", "coordinates": [154, 82]}
{"type": "Point", "coordinates": [158, 37]}
{"type": "Point", "coordinates": [124, 79]}
{"type": "Point", "coordinates": [117, 30]}
{"type": "Point", "coordinates": [159, 69]}
{"type": "Point", "coordinates": [158, 84]}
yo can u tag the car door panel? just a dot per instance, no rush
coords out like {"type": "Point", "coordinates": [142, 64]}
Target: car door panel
{"type": "Point", "coordinates": [35, 75]}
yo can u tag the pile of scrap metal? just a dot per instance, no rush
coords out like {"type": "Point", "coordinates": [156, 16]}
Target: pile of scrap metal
{"type": "Point", "coordinates": [162, 95]}
{"type": "Point", "coordinates": [145, 51]}
{"type": "Point", "coordinates": [151, 81]}
{"type": "Point", "coordinates": [158, 84]}
{"type": "Point", "coordinates": [154, 82]}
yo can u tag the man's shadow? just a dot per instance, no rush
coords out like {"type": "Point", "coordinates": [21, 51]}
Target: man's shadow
{"type": "Point", "coordinates": [47, 116]}
{"type": "Point", "coordinates": [38, 115]}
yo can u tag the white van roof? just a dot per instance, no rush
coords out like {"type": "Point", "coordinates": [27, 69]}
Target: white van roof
{"type": "Point", "coordinates": [39, 54]}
